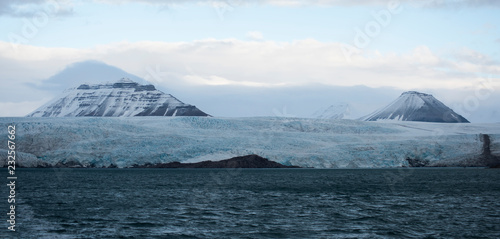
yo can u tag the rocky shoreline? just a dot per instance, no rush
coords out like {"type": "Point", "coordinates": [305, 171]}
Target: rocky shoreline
{"type": "Point", "coordinates": [248, 161]}
{"type": "Point", "coordinates": [485, 159]}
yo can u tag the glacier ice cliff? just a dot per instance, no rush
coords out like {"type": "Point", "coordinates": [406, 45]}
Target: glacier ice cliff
{"type": "Point", "coordinates": [319, 143]}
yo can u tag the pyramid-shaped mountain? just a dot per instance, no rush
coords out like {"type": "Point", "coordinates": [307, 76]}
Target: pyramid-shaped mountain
{"type": "Point", "coordinates": [124, 98]}
{"type": "Point", "coordinates": [416, 106]}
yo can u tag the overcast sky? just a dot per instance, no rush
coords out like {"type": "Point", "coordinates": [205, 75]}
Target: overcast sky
{"type": "Point", "coordinates": [207, 50]}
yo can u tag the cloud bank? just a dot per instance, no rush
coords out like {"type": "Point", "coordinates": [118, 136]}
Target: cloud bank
{"type": "Point", "coordinates": [33, 8]}
{"type": "Point", "coordinates": [265, 63]}
{"type": "Point", "coordinates": [418, 3]}
{"type": "Point", "coordinates": [210, 67]}
{"type": "Point", "coordinates": [29, 8]}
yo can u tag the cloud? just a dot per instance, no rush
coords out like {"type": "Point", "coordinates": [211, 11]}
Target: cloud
{"type": "Point", "coordinates": [219, 81]}
{"type": "Point", "coordinates": [19, 109]}
{"type": "Point", "coordinates": [484, 29]}
{"type": "Point", "coordinates": [34, 8]}
{"type": "Point", "coordinates": [456, 3]}
{"type": "Point", "coordinates": [17, 8]}
{"type": "Point", "coordinates": [295, 3]}
{"type": "Point", "coordinates": [260, 63]}
{"type": "Point", "coordinates": [474, 57]}
{"type": "Point", "coordinates": [248, 78]}
{"type": "Point", "coordinates": [255, 35]}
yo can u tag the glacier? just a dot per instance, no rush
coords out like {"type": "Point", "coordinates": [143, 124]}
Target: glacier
{"type": "Point", "coordinates": [318, 143]}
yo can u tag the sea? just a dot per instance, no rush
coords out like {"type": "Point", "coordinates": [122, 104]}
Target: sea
{"type": "Point", "coordinates": [255, 203]}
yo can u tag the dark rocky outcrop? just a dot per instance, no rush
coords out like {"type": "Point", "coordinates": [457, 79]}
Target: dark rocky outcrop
{"type": "Point", "coordinates": [489, 159]}
{"type": "Point", "coordinates": [485, 159]}
{"type": "Point", "coordinates": [415, 162]}
{"type": "Point", "coordinates": [249, 161]}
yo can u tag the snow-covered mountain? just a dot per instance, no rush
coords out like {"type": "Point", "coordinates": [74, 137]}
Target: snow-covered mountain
{"type": "Point", "coordinates": [336, 111]}
{"type": "Point", "coordinates": [416, 106]}
{"type": "Point", "coordinates": [122, 98]}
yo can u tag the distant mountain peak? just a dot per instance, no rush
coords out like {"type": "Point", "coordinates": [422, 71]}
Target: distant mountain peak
{"type": "Point", "coordinates": [125, 80]}
{"type": "Point", "coordinates": [416, 106]}
{"type": "Point", "coordinates": [121, 98]}
{"type": "Point", "coordinates": [123, 83]}
{"type": "Point", "coordinates": [415, 93]}
{"type": "Point", "coordinates": [335, 111]}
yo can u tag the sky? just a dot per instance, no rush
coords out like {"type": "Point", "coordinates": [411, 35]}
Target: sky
{"type": "Point", "coordinates": [238, 58]}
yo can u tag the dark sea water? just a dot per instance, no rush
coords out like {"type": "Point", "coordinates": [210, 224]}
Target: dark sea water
{"type": "Point", "coordinates": [256, 203]}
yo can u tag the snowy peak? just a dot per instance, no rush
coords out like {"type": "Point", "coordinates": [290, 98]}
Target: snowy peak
{"type": "Point", "coordinates": [336, 111]}
{"type": "Point", "coordinates": [126, 81]}
{"type": "Point", "coordinates": [123, 98]}
{"type": "Point", "coordinates": [123, 83]}
{"type": "Point", "coordinates": [416, 93]}
{"type": "Point", "coordinates": [416, 106]}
